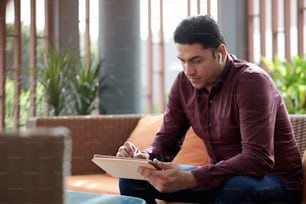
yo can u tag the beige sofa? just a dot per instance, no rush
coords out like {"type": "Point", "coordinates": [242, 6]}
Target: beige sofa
{"type": "Point", "coordinates": [104, 134]}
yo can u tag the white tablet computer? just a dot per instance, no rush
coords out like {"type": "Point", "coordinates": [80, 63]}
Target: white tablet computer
{"type": "Point", "coordinates": [122, 167]}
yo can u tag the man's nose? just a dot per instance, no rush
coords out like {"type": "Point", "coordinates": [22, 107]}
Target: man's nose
{"type": "Point", "coordinates": [189, 69]}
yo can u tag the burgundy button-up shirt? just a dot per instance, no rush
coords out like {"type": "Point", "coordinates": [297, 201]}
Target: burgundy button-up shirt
{"type": "Point", "coordinates": [243, 123]}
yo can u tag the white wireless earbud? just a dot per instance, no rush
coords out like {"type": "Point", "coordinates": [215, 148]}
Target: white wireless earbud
{"type": "Point", "coordinates": [220, 58]}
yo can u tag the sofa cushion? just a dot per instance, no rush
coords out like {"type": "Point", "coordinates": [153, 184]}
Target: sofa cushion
{"type": "Point", "coordinates": [193, 151]}
{"type": "Point", "coordinates": [145, 130]}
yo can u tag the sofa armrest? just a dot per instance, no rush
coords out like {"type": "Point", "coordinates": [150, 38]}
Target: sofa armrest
{"type": "Point", "coordinates": [90, 135]}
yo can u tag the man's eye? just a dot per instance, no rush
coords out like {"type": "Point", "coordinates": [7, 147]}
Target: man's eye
{"type": "Point", "coordinates": [196, 61]}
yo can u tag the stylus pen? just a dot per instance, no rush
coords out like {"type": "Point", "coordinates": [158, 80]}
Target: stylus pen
{"type": "Point", "coordinates": [136, 151]}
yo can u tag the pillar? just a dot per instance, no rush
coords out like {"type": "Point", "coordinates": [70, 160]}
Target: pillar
{"type": "Point", "coordinates": [119, 52]}
{"type": "Point", "coordinates": [233, 21]}
{"type": "Point", "coordinates": [65, 24]}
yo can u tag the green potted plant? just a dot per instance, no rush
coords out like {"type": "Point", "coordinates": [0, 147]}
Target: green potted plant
{"type": "Point", "coordinates": [55, 76]}
{"type": "Point", "coordinates": [70, 87]}
{"type": "Point", "coordinates": [290, 79]}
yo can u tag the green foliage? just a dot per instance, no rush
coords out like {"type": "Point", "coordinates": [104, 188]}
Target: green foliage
{"type": "Point", "coordinates": [25, 36]}
{"type": "Point", "coordinates": [86, 87]}
{"type": "Point", "coordinates": [24, 102]}
{"type": "Point", "coordinates": [290, 79]}
{"type": "Point", "coordinates": [69, 89]}
{"type": "Point", "coordinates": [55, 76]}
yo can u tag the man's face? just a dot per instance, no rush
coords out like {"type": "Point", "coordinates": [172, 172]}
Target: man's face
{"type": "Point", "coordinates": [201, 66]}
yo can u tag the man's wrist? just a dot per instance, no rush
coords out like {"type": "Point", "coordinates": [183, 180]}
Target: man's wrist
{"type": "Point", "coordinates": [190, 180]}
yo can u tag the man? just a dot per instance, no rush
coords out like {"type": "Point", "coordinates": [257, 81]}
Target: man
{"type": "Point", "coordinates": [235, 108]}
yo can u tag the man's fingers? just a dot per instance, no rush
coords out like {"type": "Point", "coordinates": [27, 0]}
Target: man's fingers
{"type": "Point", "coordinates": [140, 155]}
{"type": "Point", "coordinates": [162, 165]}
{"type": "Point", "coordinates": [128, 149]}
{"type": "Point", "coordinates": [122, 152]}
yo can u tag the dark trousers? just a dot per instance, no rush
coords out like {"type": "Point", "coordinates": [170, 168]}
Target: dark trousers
{"type": "Point", "coordinates": [237, 189]}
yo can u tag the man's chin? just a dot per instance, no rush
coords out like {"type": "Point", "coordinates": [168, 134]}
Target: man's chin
{"type": "Point", "coordinates": [197, 86]}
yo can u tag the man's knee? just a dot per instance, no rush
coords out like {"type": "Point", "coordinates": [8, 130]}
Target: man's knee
{"type": "Point", "coordinates": [251, 189]}
{"type": "Point", "coordinates": [239, 189]}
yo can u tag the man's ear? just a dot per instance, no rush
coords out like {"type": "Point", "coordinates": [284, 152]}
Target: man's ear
{"type": "Point", "coordinates": [221, 52]}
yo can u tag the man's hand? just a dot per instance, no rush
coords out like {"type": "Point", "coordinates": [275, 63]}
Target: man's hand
{"type": "Point", "coordinates": [169, 179]}
{"type": "Point", "coordinates": [128, 149]}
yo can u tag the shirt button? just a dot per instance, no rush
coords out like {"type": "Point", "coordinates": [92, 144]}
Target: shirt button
{"type": "Point", "coordinates": [211, 101]}
{"type": "Point", "coordinates": [209, 124]}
